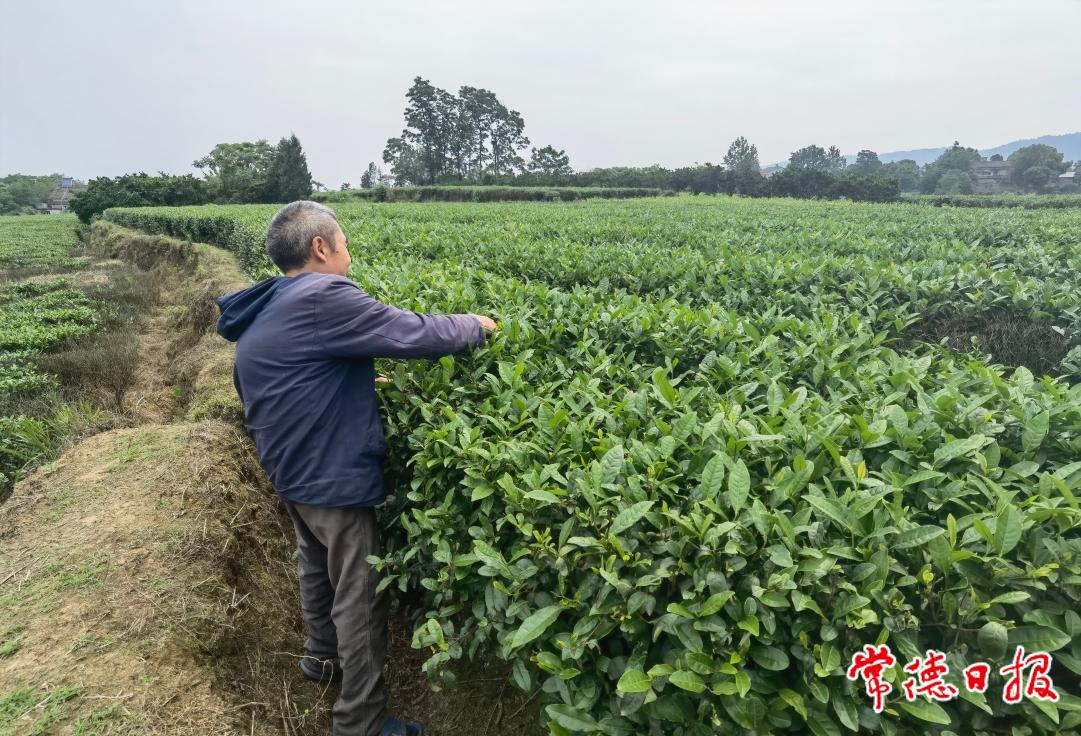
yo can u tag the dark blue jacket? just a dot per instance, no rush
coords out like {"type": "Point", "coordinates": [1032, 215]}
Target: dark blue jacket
{"type": "Point", "coordinates": [306, 377]}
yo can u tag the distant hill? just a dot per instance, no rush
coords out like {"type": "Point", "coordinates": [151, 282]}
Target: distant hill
{"type": "Point", "coordinates": [1069, 144]}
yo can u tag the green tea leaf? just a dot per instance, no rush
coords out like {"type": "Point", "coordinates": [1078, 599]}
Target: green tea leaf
{"type": "Point", "coordinates": [739, 485]}
{"type": "Point", "coordinates": [916, 536]}
{"type": "Point", "coordinates": [629, 516]}
{"type": "Point", "coordinates": [925, 710]}
{"type": "Point", "coordinates": [687, 680]}
{"type": "Point", "coordinates": [571, 718]}
{"type": "Point", "coordinates": [1035, 431]}
{"type": "Point", "coordinates": [1038, 638]}
{"type": "Point", "coordinates": [712, 476]}
{"type": "Point", "coordinates": [957, 448]}
{"type": "Point", "coordinates": [633, 681]}
{"type": "Point", "coordinates": [534, 626]}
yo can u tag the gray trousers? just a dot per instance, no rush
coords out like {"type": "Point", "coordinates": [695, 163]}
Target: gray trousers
{"type": "Point", "coordinates": [346, 618]}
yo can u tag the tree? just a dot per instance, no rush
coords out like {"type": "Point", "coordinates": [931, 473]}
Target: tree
{"type": "Point", "coordinates": [1037, 177]}
{"type": "Point", "coordinates": [507, 139]}
{"type": "Point", "coordinates": [550, 162]}
{"type": "Point", "coordinates": [955, 158]}
{"type": "Point", "coordinates": [867, 162]}
{"type": "Point", "coordinates": [863, 187]}
{"type": "Point", "coordinates": [1037, 156]}
{"type": "Point", "coordinates": [804, 182]}
{"type": "Point", "coordinates": [953, 181]}
{"type": "Point", "coordinates": [458, 138]}
{"type": "Point", "coordinates": [996, 157]}
{"type": "Point", "coordinates": [20, 194]}
{"type": "Point", "coordinates": [741, 162]}
{"type": "Point", "coordinates": [905, 172]}
{"type": "Point", "coordinates": [405, 163]}
{"type": "Point", "coordinates": [239, 172]}
{"type": "Point", "coordinates": [958, 158]}
{"type": "Point", "coordinates": [742, 157]}
{"type": "Point", "coordinates": [289, 178]}
{"type": "Point", "coordinates": [818, 158]}
{"type": "Point", "coordinates": [372, 176]}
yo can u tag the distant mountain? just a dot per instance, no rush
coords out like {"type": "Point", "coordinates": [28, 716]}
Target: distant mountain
{"type": "Point", "coordinates": [1069, 144]}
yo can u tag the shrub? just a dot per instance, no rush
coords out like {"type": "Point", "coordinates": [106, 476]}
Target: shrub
{"type": "Point", "coordinates": [138, 190]}
{"type": "Point", "coordinates": [449, 193]}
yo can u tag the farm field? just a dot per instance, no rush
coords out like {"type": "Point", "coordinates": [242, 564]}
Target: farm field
{"type": "Point", "coordinates": [36, 242]}
{"type": "Point", "coordinates": [40, 308]}
{"type": "Point", "coordinates": [716, 448]}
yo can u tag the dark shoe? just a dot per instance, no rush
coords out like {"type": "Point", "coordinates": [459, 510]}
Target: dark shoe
{"type": "Point", "coordinates": [394, 727]}
{"type": "Point", "coordinates": [323, 671]}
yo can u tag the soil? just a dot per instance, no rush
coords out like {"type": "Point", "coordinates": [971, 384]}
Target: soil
{"type": "Point", "coordinates": [146, 576]}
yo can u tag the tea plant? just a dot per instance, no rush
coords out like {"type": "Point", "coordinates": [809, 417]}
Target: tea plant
{"type": "Point", "coordinates": [703, 462]}
{"type": "Point", "coordinates": [36, 242]}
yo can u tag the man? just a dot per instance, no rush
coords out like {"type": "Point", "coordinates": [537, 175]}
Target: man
{"type": "Point", "coordinates": [305, 374]}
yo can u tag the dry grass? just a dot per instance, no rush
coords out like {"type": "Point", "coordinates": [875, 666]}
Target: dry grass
{"type": "Point", "coordinates": [1010, 339]}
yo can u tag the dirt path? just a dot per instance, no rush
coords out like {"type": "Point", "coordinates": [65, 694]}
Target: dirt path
{"type": "Point", "coordinates": [146, 576]}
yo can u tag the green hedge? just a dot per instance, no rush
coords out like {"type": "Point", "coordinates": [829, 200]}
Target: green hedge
{"type": "Point", "coordinates": [1025, 201]}
{"type": "Point", "coordinates": [443, 193]}
{"type": "Point", "coordinates": [209, 224]}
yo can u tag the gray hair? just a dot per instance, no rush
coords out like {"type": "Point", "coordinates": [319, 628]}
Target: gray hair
{"type": "Point", "coordinates": [289, 237]}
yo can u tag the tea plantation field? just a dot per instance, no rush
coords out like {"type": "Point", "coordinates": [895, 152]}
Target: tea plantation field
{"type": "Point", "coordinates": [36, 242]}
{"type": "Point", "coordinates": [715, 449]}
{"type": "Point", "coordinates": [34, 316]}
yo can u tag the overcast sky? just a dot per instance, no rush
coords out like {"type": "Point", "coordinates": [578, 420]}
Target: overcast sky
{"type": "Point", "coordinates": [109, 87]}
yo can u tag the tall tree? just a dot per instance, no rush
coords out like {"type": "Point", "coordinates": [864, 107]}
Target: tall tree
{"type": "Point", "coordinates": [958, 157]}
{"type": "Point", "coordinates": [371, 177]}
{"type": "Point", "coordinates": [818, 158]}
{"type": "Point", "coordinates": [1037, 156]}
{"type": "Point", "coordinates": [428, 129]}
{"type": "Point", "coordinates": [743, 174]}
{"type": "Point", "coordinates": [867, 162]}
{"type": "Point", "coordinates": [290, 179]}
{"type": "Point", "coordinates": [742, 157]}
{"type": "Point", "coordinates": [507, 139]}
{"type": "Point", "coordinates": [955, 158]}
{"type": "Point", "coordinates": [406, 166]}
{"type": "Point", "coordinates": [450, 137]}
{"type": "Point", "coordinates": [905, 172]}
{"type": "Point", "coordinates": [550, 162]}
{"type": "Point", "coordinates": [239, 172]}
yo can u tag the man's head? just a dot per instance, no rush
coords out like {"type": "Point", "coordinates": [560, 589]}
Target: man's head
{"type": "Point", "coordinates": [305, 236]}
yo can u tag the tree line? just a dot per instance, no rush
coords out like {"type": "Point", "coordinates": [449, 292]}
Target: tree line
{"type": "Point", "coordinates": [474, 138]}
{"type": "Point", "coordinates": [234, 173]}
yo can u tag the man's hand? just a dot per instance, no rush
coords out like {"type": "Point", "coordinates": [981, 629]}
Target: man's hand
{"type": "Point", "coordinates": [486, 323]}
{"type": "Point", "coordinates": [381, 380]}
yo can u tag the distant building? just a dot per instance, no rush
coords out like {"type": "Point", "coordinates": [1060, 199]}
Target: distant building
{"type": "Point", "coordinates": [771, 170]}
{"type": "Point", "coordinates": [991, 177]}
{"type": "Point", "coordinates": [1070, 177]}
{"type": "Point", "coordinates": [60, 198]}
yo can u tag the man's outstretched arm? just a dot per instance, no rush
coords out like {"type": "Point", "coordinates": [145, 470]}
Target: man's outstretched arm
{"type": "Point", "coordinates": [351, 324]}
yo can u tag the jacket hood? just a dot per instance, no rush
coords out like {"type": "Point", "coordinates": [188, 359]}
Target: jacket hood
{"type": "Point", "coordinates": [240, 308]}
